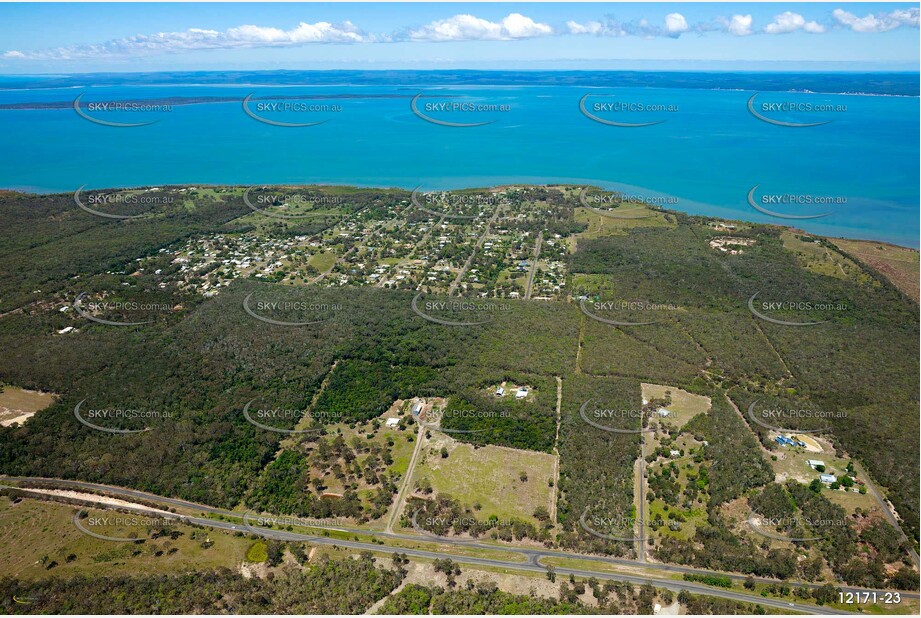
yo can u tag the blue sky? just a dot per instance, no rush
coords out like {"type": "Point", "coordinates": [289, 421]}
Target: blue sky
{"type": "Point", "coordinates": [68, 38]}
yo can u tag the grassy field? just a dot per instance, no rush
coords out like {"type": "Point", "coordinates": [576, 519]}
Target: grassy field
{"type": "Point", "coordinates": [820, 259]}
{"type": "Point", "coordinates": [18, 404]}
{"type": "Point", "coordinates": [35, 534]}
{"type": "Point", "coordinates": [323, 261]}
{"type": "Point", "coordinates": [899, 264]}
{"type": "Point", "coordinates": [683, 407]}
{"type": "Point", "coordinates": [601, 225]}
{"type": "Point", "coordinates": [489, 476]}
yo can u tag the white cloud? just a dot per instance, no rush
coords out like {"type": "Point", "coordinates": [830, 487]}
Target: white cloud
{"type": "Point", "coordinates": [675, 23]}
{"type": "Point", "coordinates": [199, 38]}
{"type": "Point", "coordinates": [609, 27]}
{"type": "Point", "coordinates": [881, 22]}
{"type": "Point", "coordinates": [791, 22]}
{"type": "Point", "coordinates": [591, 27]}
{"type": "Point", "coordinates": [470, 28]}
{"type": "Point", "coordinates": [739, 25]}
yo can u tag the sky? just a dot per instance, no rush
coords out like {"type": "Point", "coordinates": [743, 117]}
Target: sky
{"type": "Point", "coordinates": [87, 37]}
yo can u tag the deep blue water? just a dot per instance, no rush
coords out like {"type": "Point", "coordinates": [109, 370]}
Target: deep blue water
{"type": "Point", "coordinates": [708, 153]}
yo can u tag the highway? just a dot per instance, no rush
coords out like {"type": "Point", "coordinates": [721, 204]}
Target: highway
{"type": "Point", "coordinates": [531, 565]}
{"type": "Point", "coordinates": [532, 556]}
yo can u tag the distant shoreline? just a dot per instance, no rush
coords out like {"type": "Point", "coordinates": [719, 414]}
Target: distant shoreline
{"type": "Point", "coordinates": [471, 188]}
{"type": "Point", "coordinates": [43, 105]}
{"type": "Point", "coordinates": [868, 82]}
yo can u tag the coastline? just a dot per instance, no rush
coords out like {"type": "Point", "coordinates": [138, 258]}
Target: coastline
{"type": "Point", "coordinates": [604, 185]}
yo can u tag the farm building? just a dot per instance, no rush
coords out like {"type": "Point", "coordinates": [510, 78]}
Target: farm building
{"type": "Point", "coordinates": [815, 463]}
{"type": "Point", "coordinates": [392, 422]}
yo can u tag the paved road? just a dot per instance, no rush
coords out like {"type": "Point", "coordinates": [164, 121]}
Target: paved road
{"type": "Point", "coordinates": [532, 555]}
{"type": "Point", "coordinates": [532, 564]}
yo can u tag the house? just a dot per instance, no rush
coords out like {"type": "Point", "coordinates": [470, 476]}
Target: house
{"type": "Point", "coordinates": [815, 463]}
{"type": "Point", "coordinates": [674, 453]}
{"type": "Point", "coordinates": [521, 393]}
{"type": "Point", "coordinates": [663, 412]}
{"type": "Point", "coordinates": [500, 391]}
{"type": "Point", "coordinates": [827, 478]}
{"type": "Point", "coordinates": [784, 441]}
{"type": "Point", "coordinates": [392, 422]}
{"type": "Point", "coordinates": [417, 408]}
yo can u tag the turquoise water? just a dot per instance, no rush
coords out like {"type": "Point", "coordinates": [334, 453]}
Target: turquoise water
{"type": "Point", "coordinates": [708, 154]}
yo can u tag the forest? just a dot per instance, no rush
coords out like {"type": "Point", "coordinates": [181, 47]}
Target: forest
{"type": "Point", "coordinates": [199, 363]}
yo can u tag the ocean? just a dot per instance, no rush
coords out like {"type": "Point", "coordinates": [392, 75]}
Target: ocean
{"type": "Point", "coordinates": [704, 148]}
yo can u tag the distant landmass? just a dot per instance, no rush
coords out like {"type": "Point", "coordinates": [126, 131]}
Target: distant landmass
{"type": "Point", "coordinates": [888, 83]}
